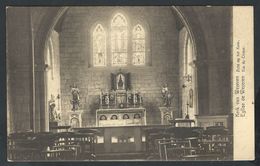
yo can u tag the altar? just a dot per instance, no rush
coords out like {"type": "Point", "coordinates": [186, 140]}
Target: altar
{"type": "Point", "coordinates": [121, 105]}
{"type": "Point", "coordinates": [120, 117]}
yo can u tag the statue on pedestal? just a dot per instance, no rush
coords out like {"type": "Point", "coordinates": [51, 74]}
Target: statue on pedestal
{"type": "Point", "coordinates": [166, 95]}
{"type": "Point", "coordinates": [52, 112]}
{"type": "Point", "coordinates": [75, 98]}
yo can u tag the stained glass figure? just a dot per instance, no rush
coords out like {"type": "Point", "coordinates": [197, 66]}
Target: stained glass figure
{"type": "Point", "coordinates": [138, 45]}
{"type": "Point", "coordinates": [119, 40]}
{"type": "Point", "coordinates": [99, 46]}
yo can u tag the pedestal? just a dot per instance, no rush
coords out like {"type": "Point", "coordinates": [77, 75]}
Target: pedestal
{"type": "Point", "coordinates": [166, 115]}
{"type": "Point", "coordinates": [52, 126]}
{"type": "Point", "coordinates": [75, 118]}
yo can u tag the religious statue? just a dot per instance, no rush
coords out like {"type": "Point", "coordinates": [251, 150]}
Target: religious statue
{"type": "Point", "coordinates": [75, 98]}
{"type": "Point", "coordinates": [166, 95]}
{"type": "Point", "coordinates": [52, 111]}
{"type": "Point", "coordinates": [100, 57]}
{"type": "Point", "coordinates": [120, 82]}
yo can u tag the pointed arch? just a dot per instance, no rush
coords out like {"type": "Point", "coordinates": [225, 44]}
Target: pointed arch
{"type": "Point", "coordinates": [99, 46]}
{"type": "Point", "coordinates": [119, 20]}
{"type": "Point", "coordinates": [119, 40]}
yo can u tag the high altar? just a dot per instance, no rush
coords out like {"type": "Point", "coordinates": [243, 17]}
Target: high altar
{"type": "Point", "coordinates": [121, 118]}
{"type": "Point", "coordinates": [120, 106]}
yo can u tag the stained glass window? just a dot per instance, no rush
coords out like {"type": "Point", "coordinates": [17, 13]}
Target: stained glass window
{"type": "Point", "coordinates": [119, 40]}
{"type": "Point", "coordinates": [99, 46]}
{"type": "Point", "coordinates": [138, 45]}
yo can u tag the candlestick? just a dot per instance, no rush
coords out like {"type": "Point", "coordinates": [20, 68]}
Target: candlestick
{"type": "Point", "coordinates": [100, 102]}
{"type": "Point", "coordinates": [115, 98]}
{"type": "Point", "coordinates": [187, 108]}
{"type": "Point", "coordinates": [126, 98]}
{"type": "Point", "coordinates": [134, 99]}
{"type": "Point", "coordinates": [140, 100]}
{"type": "Point", "coordinates": [108, 99]}
{"type": "Point", "coordinates": [114, 93]}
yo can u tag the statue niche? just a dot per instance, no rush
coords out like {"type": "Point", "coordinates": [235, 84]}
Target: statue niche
{"type": "Point", "coordinates": [120, 81]}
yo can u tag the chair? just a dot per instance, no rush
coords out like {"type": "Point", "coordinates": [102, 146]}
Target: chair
{"type": "Point", "coordinates": [216, 140]}
{"type": "Point", "coordinates": [63, 147]}
{"type": "Point", "coordinates": [183, 141]}
{"type": "Point", "coordinates": [152, 135]}
{"type": "Point", "coordinates": [23, 146]}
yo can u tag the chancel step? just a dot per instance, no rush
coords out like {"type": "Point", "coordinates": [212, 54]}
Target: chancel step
{"type": "Point", "coordinates": [121, 156]}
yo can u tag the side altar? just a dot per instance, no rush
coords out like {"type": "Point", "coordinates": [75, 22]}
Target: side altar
{"type": "Point", "coordinates": [120, 106]}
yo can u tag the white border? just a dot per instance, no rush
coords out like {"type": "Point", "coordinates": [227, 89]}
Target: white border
{"type": "Point", "coordinates": [243, 46]}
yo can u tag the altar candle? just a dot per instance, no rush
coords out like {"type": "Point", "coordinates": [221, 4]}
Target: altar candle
{"type": "Point", "coordinates": [187, 108]}
{"type": "Point", "coordinates": [100, 98]}
{"type": "Point", "coordinates": [127, 98]}
{"type": "Point", "coordinates": [114, 93]}
{"type": "Point", "coordinates": [134, 98]}
{"type": "Point", "coordinates": [140, 99]}
{"type": "Point", "coordinates": [108, 99]}
{"type": "Point", "coordinates": [115, 97]}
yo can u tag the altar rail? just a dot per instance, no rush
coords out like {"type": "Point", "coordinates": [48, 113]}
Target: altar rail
{"type": "Point", "coordinates": [51, 146]}
{"type": "Point", "coordinates": [156, 142]}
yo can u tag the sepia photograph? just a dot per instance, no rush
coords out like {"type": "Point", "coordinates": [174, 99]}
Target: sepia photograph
{"type": "Point", "coordinates": [129, 83]}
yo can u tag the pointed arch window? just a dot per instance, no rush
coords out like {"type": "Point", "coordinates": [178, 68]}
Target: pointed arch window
{"type": "Point", "coordinates": [189, 55]}
{"type": "Point", "coordinates": [99, 46]}
{"type": "Point", "coordinates": [138, 45]}
{"type": "Point", "coordinates": [119, 40]}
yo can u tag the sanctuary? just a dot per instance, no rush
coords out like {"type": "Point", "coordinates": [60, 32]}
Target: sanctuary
{"type": "Point", "coordinates": [119, 83]}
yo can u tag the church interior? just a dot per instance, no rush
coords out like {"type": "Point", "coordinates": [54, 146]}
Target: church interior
{"type": "Point", "coordinates": [119, 83]}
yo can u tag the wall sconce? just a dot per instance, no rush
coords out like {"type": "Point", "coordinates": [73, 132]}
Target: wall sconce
{"type": "Point", "coordinates": [184, 86]}
{"type": "Point", "coordinates": [46, 67]}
